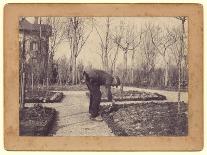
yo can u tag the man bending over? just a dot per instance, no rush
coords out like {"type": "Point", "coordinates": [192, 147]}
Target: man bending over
{"type": "Point", "coordinates": [94, 79]}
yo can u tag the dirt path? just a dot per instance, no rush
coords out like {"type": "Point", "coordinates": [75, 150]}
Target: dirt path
{"type": "Point", "coordinates": [73, 117]}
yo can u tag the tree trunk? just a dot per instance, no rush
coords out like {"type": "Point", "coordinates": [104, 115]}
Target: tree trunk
{"type": "Point", "coordinates": [132, 69]}
{"type": "Point", "coordinates": [124, 74]}
{"type": "Point", "coordinates": [74, 57]}
{"type": "Point", "coordinates": [125, 68]}
{"type": "Point", "coordinates": [106, 61]}
{"type": "Point", "coordinates": [32, 81]}
{"type": "Point", "coordinates": [75, 63]}
{"type": "Point", "coordinates": [132, 76]}
{"type": "Point", "coordinates": [179, 63]}
{"type": "Point", "coordinates": [166, 73]}
{"type": "Point", "coordinates": [74, 70]}
{"type": "Point", "coordinates": [179, 81]}
{"type": "Point", "coordinates": [106, 46]}
{"type": "Point", "coordinates": [22, 91]}
{"type": "Point", "coordinates": [59, 79]}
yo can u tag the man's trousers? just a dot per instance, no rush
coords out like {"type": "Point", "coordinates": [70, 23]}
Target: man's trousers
{"type": "Point", "coordinates": [95, 99]}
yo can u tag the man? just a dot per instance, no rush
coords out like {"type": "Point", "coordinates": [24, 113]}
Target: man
{"type": "Point", "coordinates": [94, 79]}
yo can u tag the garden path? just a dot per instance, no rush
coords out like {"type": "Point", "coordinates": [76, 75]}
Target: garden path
{"type": "Point", "coordinates": [73, 117]}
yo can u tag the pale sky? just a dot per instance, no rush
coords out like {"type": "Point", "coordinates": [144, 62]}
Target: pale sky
{"type": "Point", "coordinates": [89, 53]}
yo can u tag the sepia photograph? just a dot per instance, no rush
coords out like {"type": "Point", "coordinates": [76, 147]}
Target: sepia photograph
{"type": "Point", "coordinates": [103, 76]}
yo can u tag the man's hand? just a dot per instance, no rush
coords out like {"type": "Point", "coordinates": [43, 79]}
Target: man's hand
{"type": "Point", "coordinates": [113, 102]}
{"type": "Point", "coordinates": [116, 81]}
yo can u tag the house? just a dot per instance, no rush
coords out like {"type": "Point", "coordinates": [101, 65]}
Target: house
{"type": "Point", "coordinates": [34, 39]}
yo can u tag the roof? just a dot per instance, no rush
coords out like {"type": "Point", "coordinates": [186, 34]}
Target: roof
{"type": "Point", "coordinates": [26, 25]}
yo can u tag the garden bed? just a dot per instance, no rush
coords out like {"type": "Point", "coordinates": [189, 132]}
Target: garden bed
{"type": "Point", "coordinates": [43, 97]}
{"type": "Point", "coordinates": [78, 87]}
{"type": "Point", "coordinates": [132, 95]}
{"type": "Point", "coordinates": [146, 119]}
{"type": "Point", "coordinates": [36, 121]}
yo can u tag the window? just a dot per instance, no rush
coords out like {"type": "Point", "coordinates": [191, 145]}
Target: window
{"type": "Point", "coordinates": [34, 46]}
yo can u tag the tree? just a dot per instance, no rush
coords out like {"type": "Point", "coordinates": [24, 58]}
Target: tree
{"type": "Point", "coordinates": [127, 41]}
{"type": "Point", "coordinates": [105, 44]}
{"type": "Point", "coordinates": [22, 70]}
{"type": "Point", "coordinates": [117, 37]}
{"type": "Point", "coordinates": [178, 51]}
{"type": "Point", "coordinates": [149, 54]}
{"type": "Point", "coordinates": [134, 49]}
{"type": "Point", "coordinates": [162, 41]}
{"type": "Point", "coordinates": [77, 36]}
{"type": "Point", "coordinates": [56, 37]}
{"type": "Point", "coordinates": [63, 70]}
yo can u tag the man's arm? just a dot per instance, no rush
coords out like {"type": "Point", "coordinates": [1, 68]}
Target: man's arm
{"type": "Point", "coordinates": [108, 92]}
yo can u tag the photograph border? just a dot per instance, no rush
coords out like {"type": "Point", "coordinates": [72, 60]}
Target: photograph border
{"type": "Point", "coordinates": [194, 140]}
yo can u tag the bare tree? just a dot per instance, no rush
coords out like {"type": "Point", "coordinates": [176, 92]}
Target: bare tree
{"type": "Point", "coordinates": [179, 51]}
{"type": "Point", "coordinates": [77, 36]}
{"type": "Point", "coordinates": [127, 41]}
{"type": "Point", "coordinates": [22, 69]}
{"type": "Point", "coordinates": [117, 37]}
{"type": "Point", "coordinates": [105, 44]}
{"type": "Point", "coordinates": [135, 44]}
{"type": "Point", "coordinates": [57, 36]}
{"type": "Point", "coordinates": [149, 53]}
{"type": "Point", "coordinates": [113, 58]}
{"type": "Point", "coordinates": [162, 41]}
{"type": "Point", "coordinates": [180, 55]}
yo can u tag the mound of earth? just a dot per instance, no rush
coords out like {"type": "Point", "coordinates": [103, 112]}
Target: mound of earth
{"type": "Point", "coordinates": [147, 119]}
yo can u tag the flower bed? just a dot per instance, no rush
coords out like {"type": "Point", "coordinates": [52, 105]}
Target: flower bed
{"type": "Point", "coordinates": [78, 87]}
{"type": "Point", "coordinates": [36, 121]}
{"type": "Point", "coordinates": [134, 96]}
{"type": "Point", "coordinates": [43, 97]}
{"type": "Point", "coordinates": [147, 119]}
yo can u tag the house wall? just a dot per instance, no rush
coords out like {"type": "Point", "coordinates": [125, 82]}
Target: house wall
{"type": "Point", "coordinates": [36, 55]}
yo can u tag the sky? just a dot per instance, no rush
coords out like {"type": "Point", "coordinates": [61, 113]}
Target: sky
{"type": "Point", "coordinates": [91, 50]}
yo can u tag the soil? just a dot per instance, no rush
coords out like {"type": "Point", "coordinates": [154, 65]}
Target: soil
{"type": "Point", "coordinates": [147, 119]}
{"type": "Point", "coordinates": [43, 97]}
{"type": "Point", "coordinates": [36, 121]}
